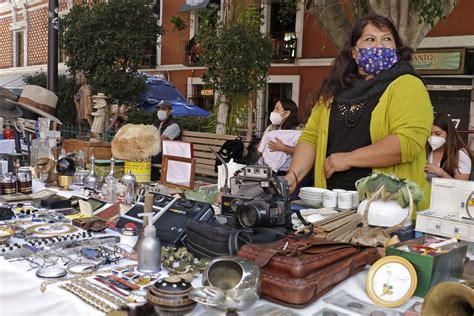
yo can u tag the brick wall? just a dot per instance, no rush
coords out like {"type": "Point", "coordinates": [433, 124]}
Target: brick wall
{"type": "Point", "coordinates": [62, 5]}
{"type": "Point", "coordinates": [6, 43]}
{"type": "Point", "coordinates": [38, 36]}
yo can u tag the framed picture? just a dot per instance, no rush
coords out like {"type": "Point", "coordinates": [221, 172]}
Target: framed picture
{"type": "Point", "coordinates": [178, 172]}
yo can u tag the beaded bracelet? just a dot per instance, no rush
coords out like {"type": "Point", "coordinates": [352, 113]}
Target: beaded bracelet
{"type": "Point", "coordinates": [88, 298]}
{"type": "Point", "coordinates": [102, 292]}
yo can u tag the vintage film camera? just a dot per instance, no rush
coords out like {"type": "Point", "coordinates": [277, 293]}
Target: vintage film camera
{"type": "Point", "coordinates": [257, 199]}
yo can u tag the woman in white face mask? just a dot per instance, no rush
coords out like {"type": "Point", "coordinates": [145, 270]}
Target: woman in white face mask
{"type": "Point", "coordinates": [448, 155]}
{"type": "Point", "coordinates": [283, 117]}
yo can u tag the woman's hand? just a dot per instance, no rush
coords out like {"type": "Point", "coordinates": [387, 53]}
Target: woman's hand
{"type": "Point", "coordinates": [336, 162]}
{"type": "Point", "coordinates": [432, 168]}
{"type": "Point", "coordinates": [276, 145]}
{"type": "Point", "coordinates": [292, 180]}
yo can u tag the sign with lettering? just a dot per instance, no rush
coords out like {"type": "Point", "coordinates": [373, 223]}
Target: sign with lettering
{"type": "Point", "coordinates": [207, 92]}
{"type": "Point", "coordinates": [443, 61]}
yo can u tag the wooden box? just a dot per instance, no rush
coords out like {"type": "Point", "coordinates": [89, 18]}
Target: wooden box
{"type": "Point", "coordinates": [100, 150]}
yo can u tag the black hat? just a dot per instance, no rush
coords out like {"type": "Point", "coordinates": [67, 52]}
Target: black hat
{"type": "Point", "coordinates": [8, 105]}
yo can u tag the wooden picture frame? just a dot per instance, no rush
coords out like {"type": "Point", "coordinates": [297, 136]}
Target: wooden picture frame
{"type": "Point", "coordinates": [178, 172]}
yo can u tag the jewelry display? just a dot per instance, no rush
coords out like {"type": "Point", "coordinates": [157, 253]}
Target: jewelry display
{"type": "Point", "coordinates": [81, 268]}
{"type": "Point", "coordinates": [181, 261]}
{"type": "Point", "coordinates": [88, 298]}
{"type": "Point", "coordinates": [51, 272]}
{"type": "Point", "coordinates": [44, 285]}
{"type": "Point", "coordinates": [50, 230]}
{"type": "Point", "coordinates": [5, 234]}
{"type": "Point", "coordinates": [102, 292]}
{"type": "Point", "coordinates": [137, 296]}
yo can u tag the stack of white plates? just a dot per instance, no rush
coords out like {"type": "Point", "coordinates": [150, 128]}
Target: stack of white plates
{"type": "Point", "coordinates": [312, 196]}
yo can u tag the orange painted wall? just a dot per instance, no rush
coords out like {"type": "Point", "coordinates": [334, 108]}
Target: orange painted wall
{"type": "Point", "coordinates": [459, 22]}
{"type": "Point", "coordinates": [310, 80]}
{"type": "Point", "coordinates": [172, 46]}
{"type": "Point", "coordinates": [316, 44]}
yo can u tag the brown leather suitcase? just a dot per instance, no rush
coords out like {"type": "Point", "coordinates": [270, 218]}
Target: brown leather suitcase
{"type": "Point", "coordinates": [295, 272]}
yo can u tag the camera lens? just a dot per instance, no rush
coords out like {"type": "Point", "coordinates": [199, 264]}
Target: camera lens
{"type": "Point", "coordinates": [235, 204]}
{"type": "Point", "coordinates": [250, 215]}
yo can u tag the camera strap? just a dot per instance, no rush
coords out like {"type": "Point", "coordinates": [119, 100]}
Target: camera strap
{"type": "Point", "coordinates": [240, 238]}
{"type": "Point", "coordinates": [305, 223]}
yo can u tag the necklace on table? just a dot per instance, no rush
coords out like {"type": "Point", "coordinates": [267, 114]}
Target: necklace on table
{"type": "Point", "coordinates": [352, 113]}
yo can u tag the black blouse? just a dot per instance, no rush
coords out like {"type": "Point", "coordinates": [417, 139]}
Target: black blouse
{"type": "Point", "coordinates": [349, 129]}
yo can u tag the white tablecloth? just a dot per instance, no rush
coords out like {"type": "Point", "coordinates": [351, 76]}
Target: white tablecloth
{"type": "Point", "coordinates": [7, 146]}
{"type": "Point", "coordinates": [20, 293]}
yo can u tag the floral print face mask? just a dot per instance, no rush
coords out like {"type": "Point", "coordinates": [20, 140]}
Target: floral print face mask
{"type": "Point", "coordinates": [374, 60]}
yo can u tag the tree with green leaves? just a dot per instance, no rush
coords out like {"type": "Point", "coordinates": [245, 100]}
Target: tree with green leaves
{"type": "Point", "coordinates": [237, 56]}
{"type": "Point", "coordinates": [107, 41]}
{"type": "Point", "coordinates": [412, 18]}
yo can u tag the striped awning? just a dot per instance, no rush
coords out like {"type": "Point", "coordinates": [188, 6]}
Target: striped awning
{"type": "Point", "coordinates": [12, 81]}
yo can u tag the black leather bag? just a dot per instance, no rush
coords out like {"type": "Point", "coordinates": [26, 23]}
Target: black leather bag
{"type": "Point", "coordinates": [211, 239]}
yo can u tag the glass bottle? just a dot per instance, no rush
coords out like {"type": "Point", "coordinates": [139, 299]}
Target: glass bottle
{"type": "Point", "coordinates": [111, 174]}
{"type": "Point", "coordinates": [111, 190]}
{"type": "Point", "coordinates": [129, 181]}
{"type": "Point", "coordinates": [92, 179]}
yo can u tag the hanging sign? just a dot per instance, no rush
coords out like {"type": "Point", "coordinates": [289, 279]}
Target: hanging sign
{"type": "Point", "coordinates": [442, 61]}
{"type": "Point", "coordinates": [207, 92]}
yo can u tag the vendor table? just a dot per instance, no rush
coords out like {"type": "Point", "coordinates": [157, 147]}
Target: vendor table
{"type": "Point", "coordinates": [20, 293]}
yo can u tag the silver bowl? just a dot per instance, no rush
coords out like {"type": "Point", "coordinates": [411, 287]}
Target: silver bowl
{"type": "Point", "coordinates": [237, 278]}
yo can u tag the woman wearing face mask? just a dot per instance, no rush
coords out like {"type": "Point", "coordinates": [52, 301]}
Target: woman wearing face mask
{"type": "Point", "coordinates": [373, 114]}
{"type": "Point", "coordinates": [448, 155]}
{"type": "Point", "coordinates": [283, 117]}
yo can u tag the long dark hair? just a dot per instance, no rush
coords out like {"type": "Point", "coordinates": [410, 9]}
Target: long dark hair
{"type": "Point", "coordinates": [454, 143]}
{"type": "Point", "coordinates": [292, 120]}
{"type": "Point", "coordinates": [344, 69]}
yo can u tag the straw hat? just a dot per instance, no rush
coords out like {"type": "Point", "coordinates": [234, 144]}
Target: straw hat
{"type": "Point", "coordinates": [99, 96]}
{"type": "Point", "coordinates": [40, 101]}
{"type": "Point", "coordinates": [8, 106]}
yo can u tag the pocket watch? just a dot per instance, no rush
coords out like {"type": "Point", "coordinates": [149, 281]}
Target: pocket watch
{"type": "Point", "coordinates": [391, 281]}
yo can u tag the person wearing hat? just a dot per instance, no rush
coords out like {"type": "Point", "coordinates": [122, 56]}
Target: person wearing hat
{"type": "Point", "coordinates": [166, 124]}
{"type": "Point", "coordinates": [169, 129]}
{"type": "Point", "coordinates": [100, 116]}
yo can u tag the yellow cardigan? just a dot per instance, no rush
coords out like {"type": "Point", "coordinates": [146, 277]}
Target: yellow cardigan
{"type": "Point", "coordinates": [405, 110]}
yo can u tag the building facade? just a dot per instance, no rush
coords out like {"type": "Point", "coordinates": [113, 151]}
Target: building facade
{"type": "Point", "coordinates": [303, 53]}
